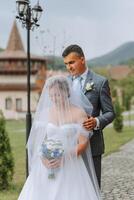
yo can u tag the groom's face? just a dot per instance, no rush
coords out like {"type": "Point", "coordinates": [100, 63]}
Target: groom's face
{"type": "Point", "coordinates": [75, 64]}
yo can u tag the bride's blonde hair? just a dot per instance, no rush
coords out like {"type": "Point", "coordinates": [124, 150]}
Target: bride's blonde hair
{"type": "Point", "coordinates": [59, 82]}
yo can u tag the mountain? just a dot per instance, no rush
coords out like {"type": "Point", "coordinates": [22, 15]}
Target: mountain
{"type": "Point", "coordinates": [118, 56]}
{"type": "Point", "coordinates": [55, 63]}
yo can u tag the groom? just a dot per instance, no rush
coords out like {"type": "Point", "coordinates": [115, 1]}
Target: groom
{"type": "Point", "coordinates": [96, 89]}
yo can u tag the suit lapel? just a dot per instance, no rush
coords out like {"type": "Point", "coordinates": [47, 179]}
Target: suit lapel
{"type": "Point", "coordinates": [89, 79]}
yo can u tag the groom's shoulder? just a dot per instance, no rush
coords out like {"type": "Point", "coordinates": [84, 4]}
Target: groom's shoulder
{"type": "Point", "coordinates": [98, 77]}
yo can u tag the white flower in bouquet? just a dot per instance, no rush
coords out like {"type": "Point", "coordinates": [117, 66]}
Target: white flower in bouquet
{"type": "Point", "coordinates": [52, 149]}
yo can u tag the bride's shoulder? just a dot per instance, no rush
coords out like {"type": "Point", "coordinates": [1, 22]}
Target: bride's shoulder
{"type": "Point", "coordinates": [79, 112]}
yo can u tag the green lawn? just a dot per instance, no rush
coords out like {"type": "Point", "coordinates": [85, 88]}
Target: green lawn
{"type": "Point", "coordinates": [16, 130]}
{"type": "Point", "coordinates": [129, 117]}
{"type": "Point", "coordinates": [114, 140]}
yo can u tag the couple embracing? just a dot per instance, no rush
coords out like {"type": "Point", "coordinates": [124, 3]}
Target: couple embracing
{"type": "Point", "coordinates": [66, 139]}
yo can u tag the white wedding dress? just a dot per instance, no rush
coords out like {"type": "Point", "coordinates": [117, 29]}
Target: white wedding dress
{"type": "Point", "coordinates": [72, 181]}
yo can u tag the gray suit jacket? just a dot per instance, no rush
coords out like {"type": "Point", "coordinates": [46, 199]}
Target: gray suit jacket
{"type": "Point", "coordinates": [100, 98]}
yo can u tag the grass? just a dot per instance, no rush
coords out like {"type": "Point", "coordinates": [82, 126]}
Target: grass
{"type": "Point", "coordinates": [114, 140]}
{"type": "Point", "coordinates": [17, 138]}
{"type": "Point", "coordinates": [128, 117]}
{"type": "Point", "coordinates": [16, 130]}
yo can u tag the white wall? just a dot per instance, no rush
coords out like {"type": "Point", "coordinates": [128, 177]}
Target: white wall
{"type": "Point", "coordinates": [13, 114]}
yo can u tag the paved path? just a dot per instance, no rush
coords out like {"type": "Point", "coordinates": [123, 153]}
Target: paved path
{"type": "Point", "coordinates": [118, 174]}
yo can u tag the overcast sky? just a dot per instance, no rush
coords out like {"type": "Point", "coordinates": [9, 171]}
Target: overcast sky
{"type": "Point", "coordinates": [98, 26]}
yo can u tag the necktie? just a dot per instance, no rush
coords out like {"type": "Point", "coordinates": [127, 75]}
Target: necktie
{"type": "Point", "coordinates": [77, 85]}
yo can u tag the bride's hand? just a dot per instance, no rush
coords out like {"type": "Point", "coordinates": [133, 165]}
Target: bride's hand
{"type": "Point", "coordinates": [54, 163]}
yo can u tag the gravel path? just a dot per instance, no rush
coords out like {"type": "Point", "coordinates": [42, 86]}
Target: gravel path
{"type": "Point", "coordinates": [118, 174]}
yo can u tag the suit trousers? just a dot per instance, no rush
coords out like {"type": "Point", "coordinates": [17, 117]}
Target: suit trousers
{"type": "Point", "coordinates": [97, 166]}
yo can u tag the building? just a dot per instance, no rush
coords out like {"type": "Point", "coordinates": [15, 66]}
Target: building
{"type": "Point", "coordinates": [13, 77]}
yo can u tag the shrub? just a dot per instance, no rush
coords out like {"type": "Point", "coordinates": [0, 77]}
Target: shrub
{"type": "Point", "coordinates": [6, 158]}
{"type": "Point", "coordinates": [118, 122]}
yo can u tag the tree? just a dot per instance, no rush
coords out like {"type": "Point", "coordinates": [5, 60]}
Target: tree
{"type": "Point", "coordinates": [127, 102]}
{"type": "Point", "coordinates": [128, 91]}
{"type": "Point", "coordinates": [118, 122]}
{"type": "Point", "coordinates": [6, 157]}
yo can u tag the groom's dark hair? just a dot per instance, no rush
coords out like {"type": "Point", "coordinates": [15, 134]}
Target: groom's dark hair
{"type": "Point", "coordinates": [74, 48]}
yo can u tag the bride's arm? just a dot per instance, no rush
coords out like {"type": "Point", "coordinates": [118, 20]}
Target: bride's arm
{"type": "Point", "coordinates": [82, 144]}
{"type": "Point", "coordinates": [83, 137]}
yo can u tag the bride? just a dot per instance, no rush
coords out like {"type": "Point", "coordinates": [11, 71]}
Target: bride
{"type": "Point", "coordinates": [56, 144]}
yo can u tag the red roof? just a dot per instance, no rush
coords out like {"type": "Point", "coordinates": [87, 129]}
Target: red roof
{"type": "Point", "coordinates": [15, 49]}
{"type": "Point", "coordinates": [16, 71]}
{"type": "Point", "coordinates": [119, 72]}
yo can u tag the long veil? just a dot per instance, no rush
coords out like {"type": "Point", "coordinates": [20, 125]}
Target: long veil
{"type": "Point", "coordinates": [59, 105]}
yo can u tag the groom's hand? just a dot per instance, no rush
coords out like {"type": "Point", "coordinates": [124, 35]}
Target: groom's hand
{"type": "Point", "coordinates": [90, 123]}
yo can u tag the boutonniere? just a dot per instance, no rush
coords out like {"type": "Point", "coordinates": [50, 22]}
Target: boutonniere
{"type": "Point", "coordinates": [89, 86]}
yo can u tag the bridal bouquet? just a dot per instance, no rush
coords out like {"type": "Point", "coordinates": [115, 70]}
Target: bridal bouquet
{"type": "Point", "coordinates": [52, 149]}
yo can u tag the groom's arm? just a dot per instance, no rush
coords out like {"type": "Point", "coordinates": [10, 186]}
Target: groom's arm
{"type": "Point", "coordinates": [107, 110]}
{"type": "Point", "coordinates": [106, 107]}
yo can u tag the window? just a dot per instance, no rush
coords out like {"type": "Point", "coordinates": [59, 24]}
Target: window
{"type": "Point", "coordinates": [19, 104]}
{"type": "Point", "coordinates": [8, 103]}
